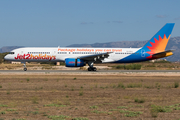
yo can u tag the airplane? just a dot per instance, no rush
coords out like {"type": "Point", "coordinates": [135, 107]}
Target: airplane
{"type": "Point", "coordinates": [79, 57]}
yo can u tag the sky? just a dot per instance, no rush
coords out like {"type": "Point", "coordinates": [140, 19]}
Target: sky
{"type": "Point", "coordinates": [53, 23]}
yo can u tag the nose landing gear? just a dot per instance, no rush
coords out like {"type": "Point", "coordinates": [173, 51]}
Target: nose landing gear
{"type": "Point", "coordinates": [25, 69]}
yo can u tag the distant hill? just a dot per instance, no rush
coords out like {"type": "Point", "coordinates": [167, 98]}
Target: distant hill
{"type": "Point", "coordinates": [8, 48]}
{"type": "Point", "coordinates": [120, 44]}
{"type": "Point", "coordinates": [173, 43]}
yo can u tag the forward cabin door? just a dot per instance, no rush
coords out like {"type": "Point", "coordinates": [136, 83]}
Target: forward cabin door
{"type": "Point", "coordinates": [54, 52]}
{"type": "Point", "coordinates": [22, 52]}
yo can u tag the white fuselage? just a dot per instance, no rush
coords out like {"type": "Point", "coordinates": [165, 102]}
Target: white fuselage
{"type": "Point", "coordinates": [42, 54]}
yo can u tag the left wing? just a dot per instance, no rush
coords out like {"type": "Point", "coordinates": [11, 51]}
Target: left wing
{"type": "Point", "coordinates": [95, 57]}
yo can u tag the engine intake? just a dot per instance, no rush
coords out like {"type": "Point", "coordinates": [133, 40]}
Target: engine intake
{"type": "Point", "coordinates": [72, 62]}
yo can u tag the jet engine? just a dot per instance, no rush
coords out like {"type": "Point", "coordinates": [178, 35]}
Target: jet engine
{"type": "Point", "coordinates": [72, 62]}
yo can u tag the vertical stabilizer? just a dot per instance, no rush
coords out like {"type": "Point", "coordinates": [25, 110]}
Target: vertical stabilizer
{"type": "Point", "coordinates": [159, 41]}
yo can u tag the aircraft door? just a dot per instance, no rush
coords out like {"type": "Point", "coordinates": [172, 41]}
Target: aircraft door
{"type": "Point", "coordinates": [22, 52]}
{"type": "Point", "coordinates": [54, 53]}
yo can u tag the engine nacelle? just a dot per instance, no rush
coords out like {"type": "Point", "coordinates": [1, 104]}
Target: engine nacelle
{"type": "Point", "coordinates": [72, 62]}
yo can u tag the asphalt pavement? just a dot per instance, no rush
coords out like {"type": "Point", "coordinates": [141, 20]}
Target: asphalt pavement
{"type": "Point", "coordinates": [83, 71]}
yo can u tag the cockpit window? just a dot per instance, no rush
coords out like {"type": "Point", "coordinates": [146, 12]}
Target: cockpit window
{"type": "Point", "coordinates": [11, 52]}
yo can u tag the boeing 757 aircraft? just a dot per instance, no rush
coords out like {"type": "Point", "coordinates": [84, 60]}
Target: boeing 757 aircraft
{"type": "Point", "coordinates": [79, 57]}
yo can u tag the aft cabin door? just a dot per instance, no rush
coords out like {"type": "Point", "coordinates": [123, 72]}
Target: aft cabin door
{"type": "Point", "coordinates": [143, 53]}
{"type": "Point", "coordinates": [54, 53]}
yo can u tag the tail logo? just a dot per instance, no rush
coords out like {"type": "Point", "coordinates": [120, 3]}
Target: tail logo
{"type": "Point", "coordinates": [158, 45]}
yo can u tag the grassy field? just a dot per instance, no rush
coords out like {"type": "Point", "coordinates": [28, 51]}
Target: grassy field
{"type": "Point", "coordinates": [151, 66]}
{"type": "Point", "coordinates": [141, 66]}
{"type": "Point", "coordinates": [93, 97]}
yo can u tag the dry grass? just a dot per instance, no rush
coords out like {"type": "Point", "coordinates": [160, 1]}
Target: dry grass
{"type": "Point", "coordinates": [93, 97]}
{"type": "Point", "coordinates": [144, 66]}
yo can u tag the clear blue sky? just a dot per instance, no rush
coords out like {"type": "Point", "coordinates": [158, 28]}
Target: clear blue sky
{"type": "Point", "coordinates": [65, 22]}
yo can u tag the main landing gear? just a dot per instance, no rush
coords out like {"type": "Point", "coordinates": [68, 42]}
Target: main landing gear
{"type": "Point", "coordinates": [25, 69]}
{"type": "Point", "coordinates": [91, 68]}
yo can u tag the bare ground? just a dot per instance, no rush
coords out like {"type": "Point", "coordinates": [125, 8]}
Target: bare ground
{"type": "Point", "coordinates": [93, 97]}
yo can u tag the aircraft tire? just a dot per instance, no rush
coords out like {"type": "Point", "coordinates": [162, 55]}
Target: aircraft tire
{"type": "Point", "coordinates": [89, 69]}
{"type": "Point", "coordinates": [25, 69]}
{"type": "Point", "coordinates": [94, 69]}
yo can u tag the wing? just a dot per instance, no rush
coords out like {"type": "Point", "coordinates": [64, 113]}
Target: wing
{"type": "Point", "coordinates": [96, 57]}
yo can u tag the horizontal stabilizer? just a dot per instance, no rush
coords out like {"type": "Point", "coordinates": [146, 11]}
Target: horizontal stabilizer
{"type": "Point", "coordinates": [163, 54]}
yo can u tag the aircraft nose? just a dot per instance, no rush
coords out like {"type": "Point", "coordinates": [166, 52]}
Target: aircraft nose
{"type": "Point", "coordinates": [6, 57]}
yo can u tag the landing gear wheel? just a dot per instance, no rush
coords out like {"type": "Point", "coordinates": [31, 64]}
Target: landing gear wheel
{"type": "Point", "coordinates": [25, 69]}
{"type": "Point", "coordinates": [89, 69]}
{"type": "Point", "coordinates": [92, 69]}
